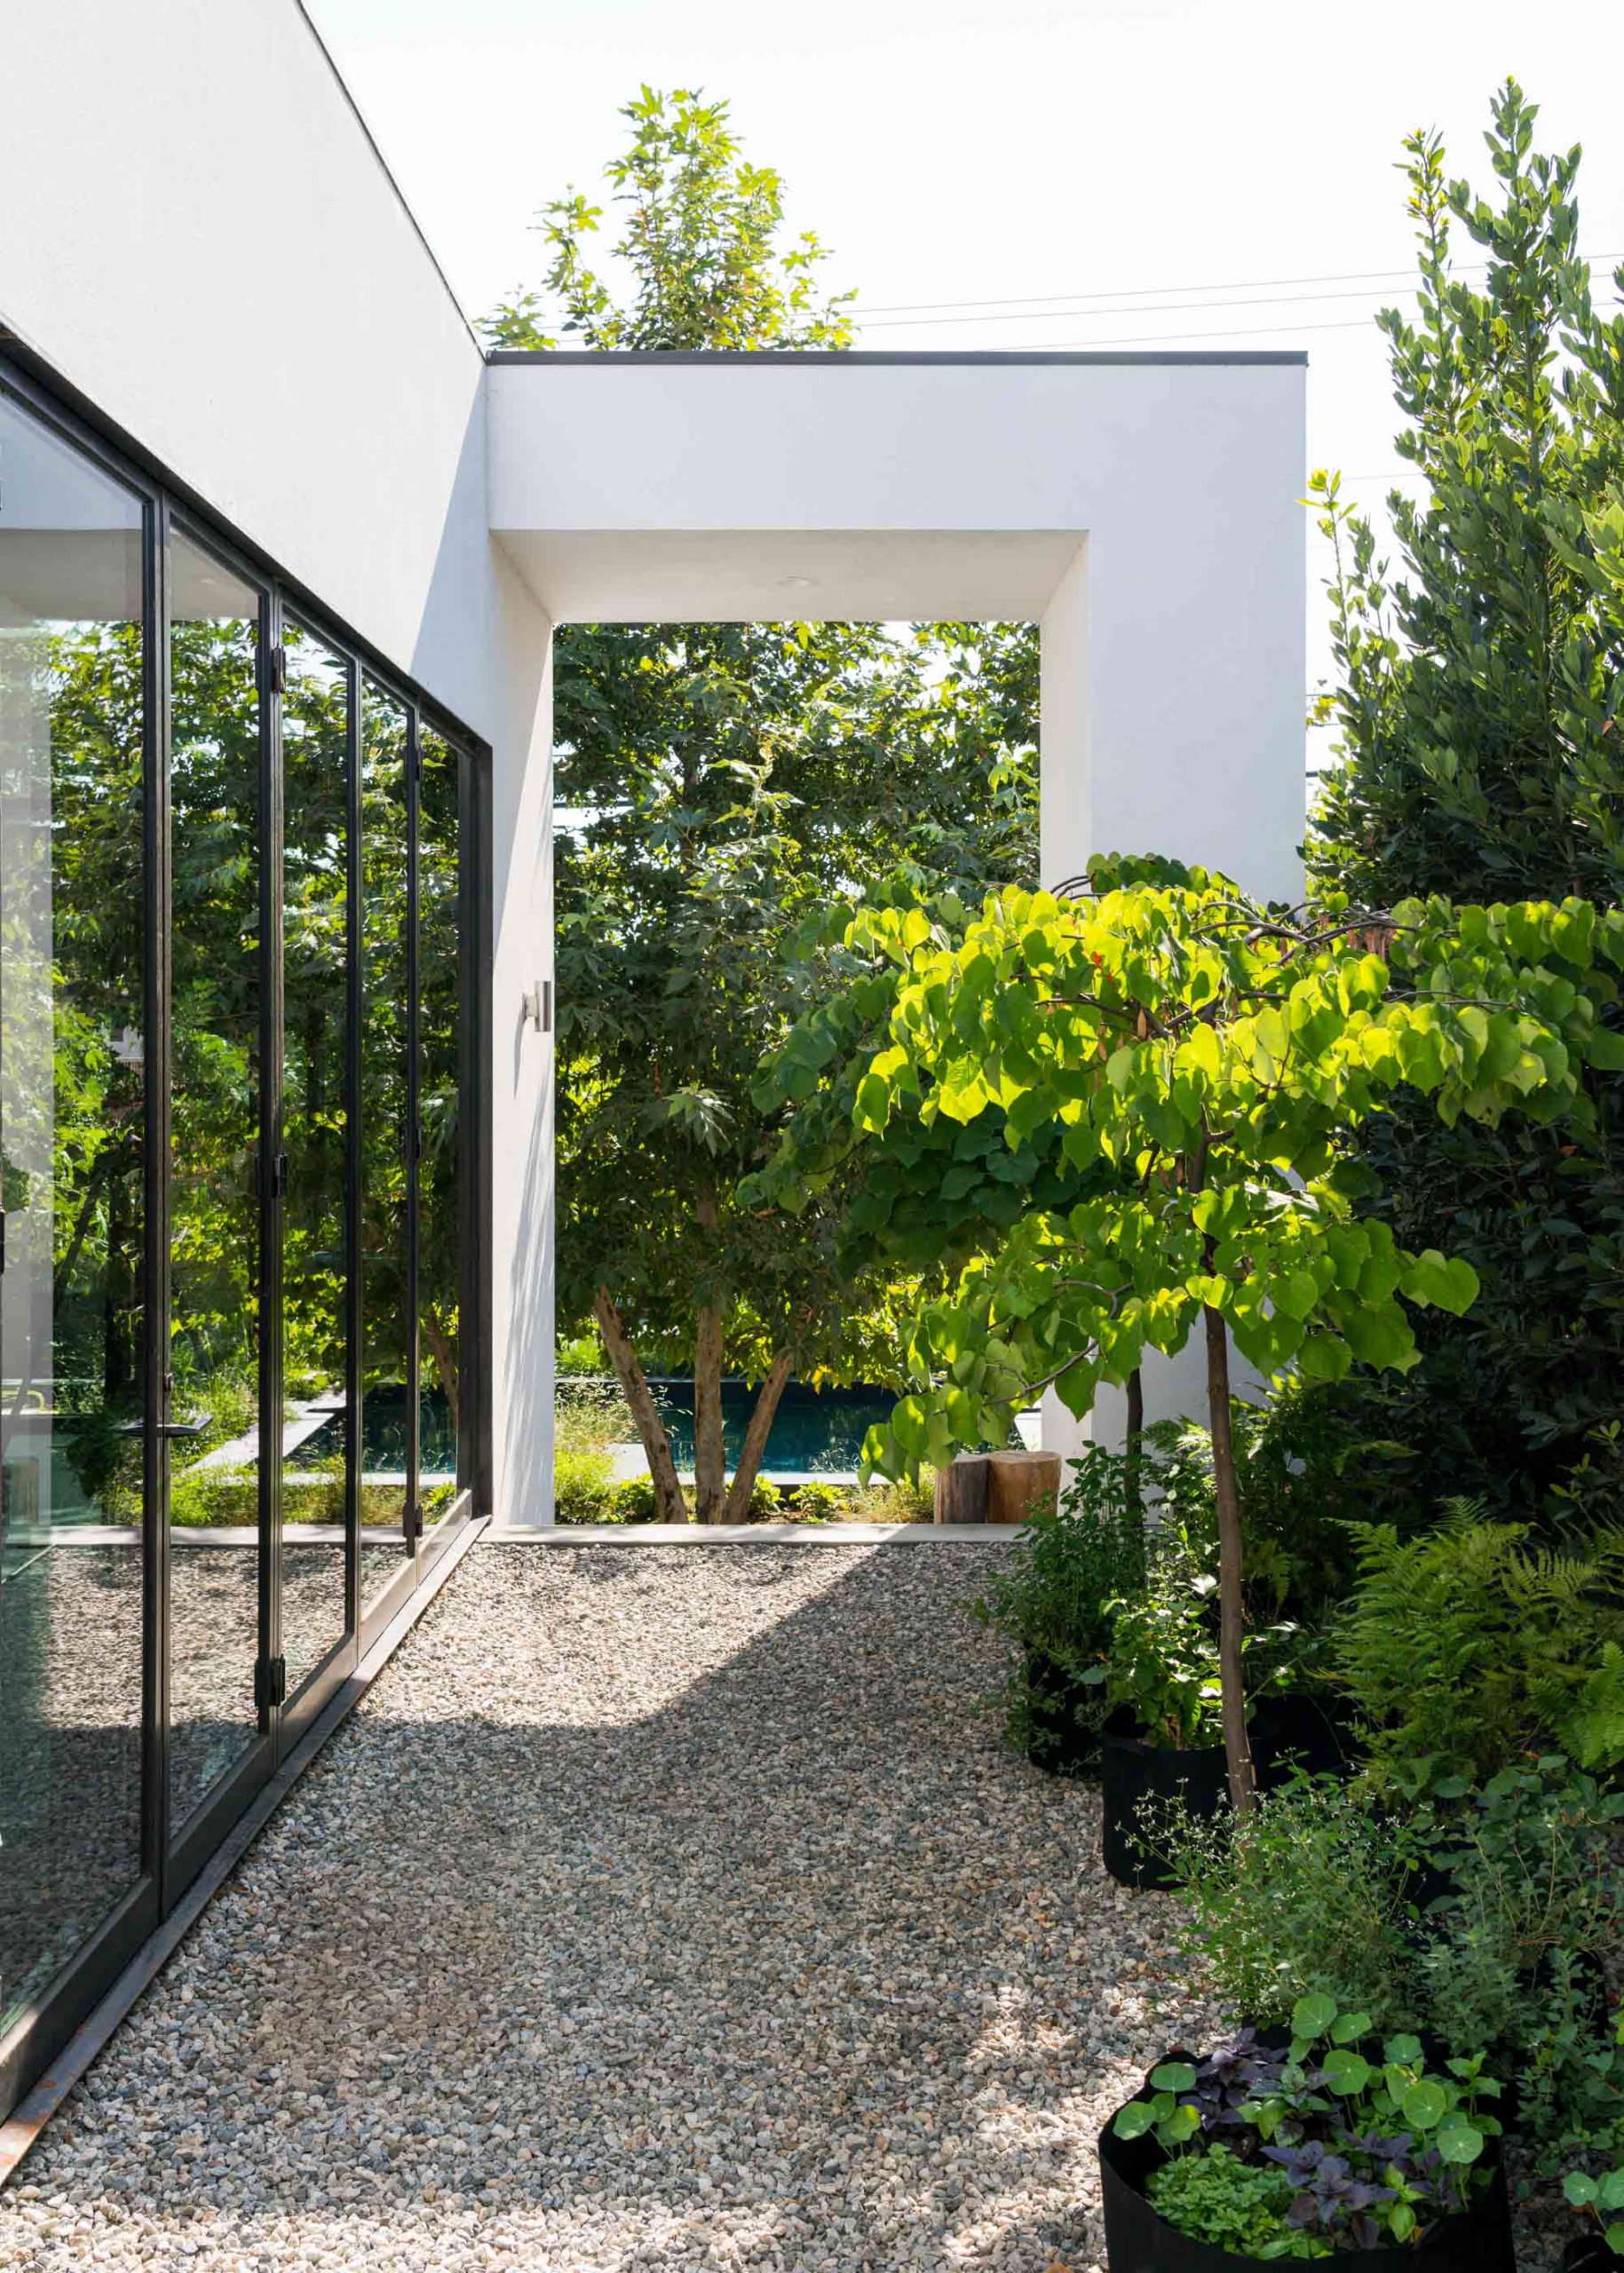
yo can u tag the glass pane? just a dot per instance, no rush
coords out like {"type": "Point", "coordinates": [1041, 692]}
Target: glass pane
{"type": "Point", "coordinates": [439, 1029]}
{"type": "Point", "coordinates": [315, 1056]}
{"type": "Point", "coordinates": [72, 1318]}
{"type": "Point", "coordinates": [386, 1343]}
{"type": "Point", "coordinates": [216, 847]}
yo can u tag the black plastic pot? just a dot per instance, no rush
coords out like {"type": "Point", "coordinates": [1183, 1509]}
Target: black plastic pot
{"type": "Point", "coordinates": [1132, 1772]}
{"type": "Point", "coordinates": [1139, 2240]}
{"type": "Point", "coordinates": [1064, 1716]}
{"type": "Point", "coordinates": [1588, 2253]}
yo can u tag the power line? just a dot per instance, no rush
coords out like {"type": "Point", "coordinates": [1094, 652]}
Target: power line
{"type": "Point", "coordinates": [1036, 300]}
{"type": "Point", "coordinates": [1177, 338]}
{"type": "Point", "coordinates": [1064, 315]}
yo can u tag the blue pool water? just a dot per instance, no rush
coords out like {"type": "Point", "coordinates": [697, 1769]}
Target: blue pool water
{"type": "Point", "coordinates": [384, 1416]}
{"type": "Point", "coordinates": [817, 1432]}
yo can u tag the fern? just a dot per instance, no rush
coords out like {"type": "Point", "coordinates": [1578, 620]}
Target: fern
{"type": "Point", "coordinates": [1465, 1647]}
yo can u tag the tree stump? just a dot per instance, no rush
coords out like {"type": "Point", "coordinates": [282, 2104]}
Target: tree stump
{"type": "Point", "coordinates": [961, 1489]}
{"type": "Point", "coordinates": [1021, 1484]}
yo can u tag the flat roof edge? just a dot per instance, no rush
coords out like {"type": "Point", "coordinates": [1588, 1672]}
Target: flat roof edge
{"type": "Point", "coordinates": [863, 358]}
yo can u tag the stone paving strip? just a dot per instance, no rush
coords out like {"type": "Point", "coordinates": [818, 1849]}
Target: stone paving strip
{"type": "Point", "coordinates": [655, 1909]}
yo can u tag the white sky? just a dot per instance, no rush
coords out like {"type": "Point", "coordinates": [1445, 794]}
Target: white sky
{"type": "Point", "coordinates": [953, 151]}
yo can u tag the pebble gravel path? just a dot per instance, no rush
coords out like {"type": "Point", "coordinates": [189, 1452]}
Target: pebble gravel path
{"type": "Point", "coordinates": [668, 1907]}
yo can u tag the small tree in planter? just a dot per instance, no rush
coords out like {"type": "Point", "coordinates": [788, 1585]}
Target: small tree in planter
{"type": "Point", "coordinates": [1200, 1058]}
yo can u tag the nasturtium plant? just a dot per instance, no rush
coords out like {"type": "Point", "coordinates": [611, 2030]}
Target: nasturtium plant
{"type": "Point", "coordinates": [1197, 1060]}
{"type": "Point", "coordinates": [1375, 2146]}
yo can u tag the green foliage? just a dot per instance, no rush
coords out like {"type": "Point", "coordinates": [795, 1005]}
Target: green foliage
{"type": "Point", "coordinates": [1477, 709]}
{"type": "Point", "coordinates": [583, 1487]}
{"type": "Point", "coordinates": [765, 1503]}
{"type": "Point", "coordinates": [1163, 1660]}
{"type": "Point", "coordinates": [580, 1356]}
{"type": "Point", "coordinates": [700, 241]}
{"type": "Point", "coordinates": [1053, 1592]}
{"type": "Point", "coordinates": [721, 788]}
{"type": "Point", "coordinates": [1234, 2205]}
{"type": "Point", "coordinates": [634, 1502]}
{"type": "Point", "coordinates": [820, 1503]}
{"type": "Point", "coordinates": [1467, 1648]}
{"type": "Point", "coordinates": [588, 1420]}
{"type": "Point", "coordinates": [1603, 2198]}
{"type": "Point", "coordinates": [1514, 1947]}
{"type": "Point", "coordinates": [1304, 1893]}
{"type": "Point", "coordinates": [1376, 2143]}
{"type": "Point", "coordinates": [1303, 1477]}
{"type": "Point", "coordinates": [1202, 1057]}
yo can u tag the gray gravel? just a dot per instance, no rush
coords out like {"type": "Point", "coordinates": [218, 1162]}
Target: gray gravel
{"type": "Point", "coordinates": [661, 1906]}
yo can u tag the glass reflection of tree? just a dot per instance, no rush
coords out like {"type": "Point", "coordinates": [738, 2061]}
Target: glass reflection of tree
{"type": "Point", "coordinates": [386, 1342]}
{"type": "Point", "coordinates": [216, 838]}
{"type": "Point", "coordinates": [92, 904]}
{"type": "Point", "coordinates": [438, 1032]}
{"type": "Point", "coordinates": [314, 960]}
{"type": "Point", "coordinates": [92, 679]}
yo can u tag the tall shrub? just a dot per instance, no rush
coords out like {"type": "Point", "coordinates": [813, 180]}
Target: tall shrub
{"type": "Point", "coordinates": [1480, 753]}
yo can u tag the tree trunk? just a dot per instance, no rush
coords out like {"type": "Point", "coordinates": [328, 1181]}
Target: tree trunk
{"type": "Point", "coordinates": [709, 1460]}
{"type": "Point", "coordinates": [669, 1507]}
{"type": "Point", "coordinates": [442, 1348]}
{"type": "Point", "coordinates": [1134, 1439]}
{"type": "Point", "coordinates": [710, 1455]}
{"type": "Point", "coordinates": [1236, 1747]}
{"type": "Point", "coordinates": [762, 1416]}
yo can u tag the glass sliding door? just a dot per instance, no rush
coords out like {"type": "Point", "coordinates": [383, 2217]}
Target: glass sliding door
{"type": "Point", "coordinates": [73, 1317]}
{"type": "Point", "coordinates": [440, 1041]}
{"type": "Point", "coordinates": [217, 854]}
{"type": "Point", "coordinates": [238, 1340]}
{"type": "Point", "coordinates": [318, 1439]}
{"type": "Point", "coordinates": [388, 1416]}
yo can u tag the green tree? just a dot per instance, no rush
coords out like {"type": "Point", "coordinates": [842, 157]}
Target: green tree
{"type": "Point", "coordinates": [719, 789]}
{"type": "Point", "coordinates": [1202, 1061]}
{"type": "Point", "coordinates": [1480, 753]}
{"type": "Point", "coordinates": [700, 241]}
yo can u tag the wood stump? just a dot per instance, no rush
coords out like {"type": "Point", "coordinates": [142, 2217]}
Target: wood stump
{"type": "Point", "coordinates": [1020, 1484]}
{"type": "Point", "coordinates": [961, 1489]}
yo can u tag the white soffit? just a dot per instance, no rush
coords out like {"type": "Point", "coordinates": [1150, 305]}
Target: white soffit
{"type": "Point", "coordinates": [766, 575]}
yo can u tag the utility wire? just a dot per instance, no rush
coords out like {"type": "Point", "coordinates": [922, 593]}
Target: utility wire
{"type": "Point", "coordinates": [1173, 338]}
{"type": "Point", "coordinates": [1244, 284]}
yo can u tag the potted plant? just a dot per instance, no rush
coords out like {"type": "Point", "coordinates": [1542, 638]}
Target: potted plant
{"type": "Point", "coordinates": [1164, 1740]}
{"type": "Point", "coordinates": [1601, 2200]}
{"type": "Point", "coordinates": [1056, 1593]}
{"type": "Point", "coordinates": [1322, 2143]}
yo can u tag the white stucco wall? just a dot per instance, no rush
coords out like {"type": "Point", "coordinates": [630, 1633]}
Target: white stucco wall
{"type": "Point", "coordinates": [1146, 510]}
{"type": "Point", "coordinates": [199, 236]}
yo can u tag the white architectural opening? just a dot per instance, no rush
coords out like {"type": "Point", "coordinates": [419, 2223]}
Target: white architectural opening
{"type": "Point", "coordinates": [1142, 510]}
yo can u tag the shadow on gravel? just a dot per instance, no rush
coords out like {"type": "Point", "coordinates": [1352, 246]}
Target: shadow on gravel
{"type": "Point", "coordinates": [675, 1901]}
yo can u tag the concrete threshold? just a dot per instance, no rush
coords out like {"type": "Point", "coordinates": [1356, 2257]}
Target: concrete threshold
{"type": "Point", "coordinates": [744, 1535]}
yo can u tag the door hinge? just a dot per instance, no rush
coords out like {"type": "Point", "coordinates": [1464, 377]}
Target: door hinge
{"type": "Point", "coordinates": [1, 1239]}
{"type": "Point", "coordinates": [411, 1524]}
{"type": "Point", "coordinates": [279, 1175]}
{"type": "Point", "coordinates": [269, 1682]}
{"type": "Point", "coordinates": [276, 659]}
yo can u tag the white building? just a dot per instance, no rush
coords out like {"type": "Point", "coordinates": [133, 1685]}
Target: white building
{"type": "Point", "coordinates": [281, 551]}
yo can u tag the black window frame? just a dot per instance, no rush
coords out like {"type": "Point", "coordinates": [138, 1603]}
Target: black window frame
{"type": "Point", "coordinates": [173, 1856]}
